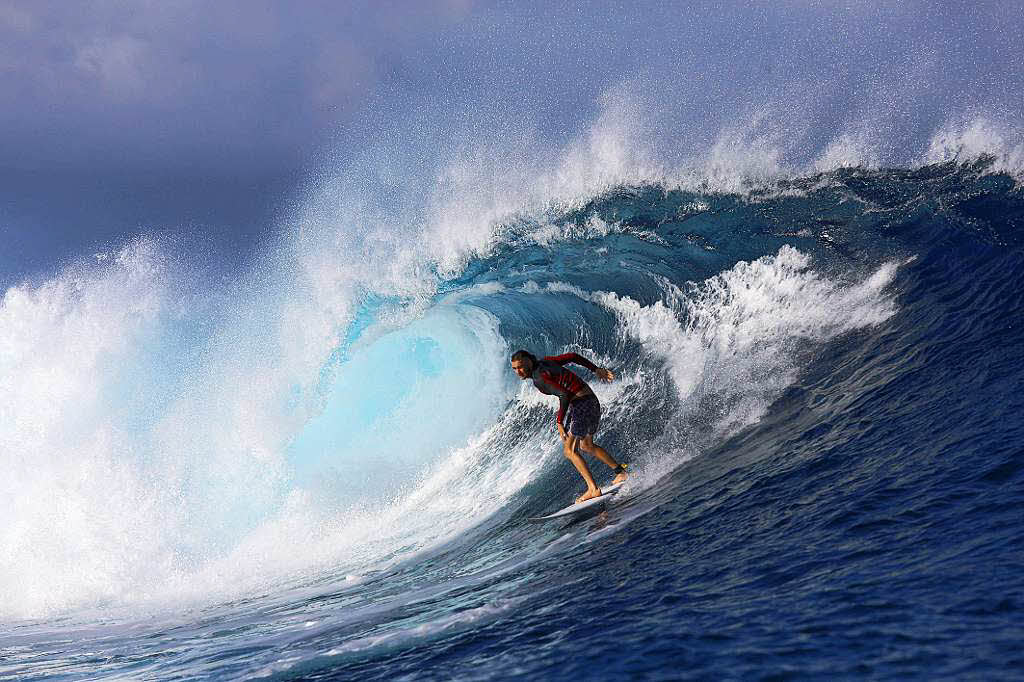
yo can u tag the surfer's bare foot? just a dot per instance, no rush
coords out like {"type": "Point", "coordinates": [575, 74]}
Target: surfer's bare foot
{"type": "Point", "coordinates": [620, 478]}
{"type": "Point", "coordinates": [589, 495]}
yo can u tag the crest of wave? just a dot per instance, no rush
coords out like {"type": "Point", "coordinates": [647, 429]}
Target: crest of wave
{"type": "Point", "coordinates": [436, 195]}
{"type": "Point", "coordinates": [733, 343]}
{"type": "Point", "coordinates": [966, 140]}
{"type": "Point", "coordinates": [144, 421]}
{"type": "Point", "coordinates": [79, 513]}
{"type": "Point", "coordinates": [400, 214]}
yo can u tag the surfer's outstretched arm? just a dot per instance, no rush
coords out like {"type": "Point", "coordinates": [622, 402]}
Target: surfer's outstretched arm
{"type": "Point", "coordinates": [577, 359]}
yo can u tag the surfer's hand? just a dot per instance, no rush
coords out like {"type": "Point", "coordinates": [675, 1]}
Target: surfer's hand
{"type": "Point", "coordinates": [604, 374]}
{"type": "Point", "coordinates": [561, 430]}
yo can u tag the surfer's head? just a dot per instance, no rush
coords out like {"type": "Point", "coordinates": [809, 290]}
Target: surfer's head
{"type": "Point", "coordinates": [523, 363]}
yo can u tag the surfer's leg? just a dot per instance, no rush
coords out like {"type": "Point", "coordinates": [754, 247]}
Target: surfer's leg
{"type": "Point", "coordinates": [588, 445]}
{"type": "Point", "coordinates": [570, 445]}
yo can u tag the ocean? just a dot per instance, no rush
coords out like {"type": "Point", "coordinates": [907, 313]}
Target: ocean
{"type": "Point", "coordinates": [320, 466]}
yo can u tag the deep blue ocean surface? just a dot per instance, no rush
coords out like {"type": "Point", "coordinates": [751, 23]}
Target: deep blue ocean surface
{"type": "Point", "coordinates": [325, 469]}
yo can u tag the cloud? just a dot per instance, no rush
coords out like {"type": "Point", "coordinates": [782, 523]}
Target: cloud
{"type": "Point", "coordinates": [247, 85]}
{"type": "Point", "coordinates": [260, 81]}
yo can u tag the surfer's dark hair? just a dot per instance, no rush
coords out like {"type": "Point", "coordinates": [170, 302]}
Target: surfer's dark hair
{"type": "Point", "coordinates": [522, 355]}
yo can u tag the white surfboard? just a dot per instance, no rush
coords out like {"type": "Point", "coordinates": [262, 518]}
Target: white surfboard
{"type": "Point", "coordinates": [606, 493]}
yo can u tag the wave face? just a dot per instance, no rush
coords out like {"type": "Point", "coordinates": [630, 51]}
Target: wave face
{"type": "Point", "coordinates": [326, 468]}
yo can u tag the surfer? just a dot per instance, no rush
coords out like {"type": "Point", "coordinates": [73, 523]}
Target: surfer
{"type": "Point", "coordinates": [579, 411]}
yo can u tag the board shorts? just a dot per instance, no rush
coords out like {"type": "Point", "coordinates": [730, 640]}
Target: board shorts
{"type": "Point", "coordinates": [583, 416]}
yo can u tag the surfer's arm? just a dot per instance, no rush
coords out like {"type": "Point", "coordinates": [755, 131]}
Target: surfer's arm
{"type": "Point", "coordinates": [574, 358]}
{"type": "Point", "coordinates": [563, 405]}
{"type": "Point", "coordinates": [578, 359]}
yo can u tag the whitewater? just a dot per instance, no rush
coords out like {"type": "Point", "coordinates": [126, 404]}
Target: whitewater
{"type": "Point", "coordinates": [321, 466]}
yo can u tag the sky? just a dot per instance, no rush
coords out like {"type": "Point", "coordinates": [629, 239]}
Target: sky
{"type": "Point", "coordinates": [121, 117]}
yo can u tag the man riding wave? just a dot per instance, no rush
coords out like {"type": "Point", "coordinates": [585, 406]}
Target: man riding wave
{"type": "Point", "coordinates": [579, 412]}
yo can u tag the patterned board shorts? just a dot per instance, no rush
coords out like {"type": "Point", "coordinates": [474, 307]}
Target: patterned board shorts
{"type": "Point", "coordinates": [583, 416]}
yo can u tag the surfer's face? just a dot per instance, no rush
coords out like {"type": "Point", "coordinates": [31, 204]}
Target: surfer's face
{"type": "Point", "coordinates": [522, 367]}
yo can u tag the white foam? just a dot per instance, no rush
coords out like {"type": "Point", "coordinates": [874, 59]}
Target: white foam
{"type": "Point", "coordinates": [464, 487]}
{"type": "Point", "coordinates": [80, 514]}
{"type": "Point", "coordinates": [732, 343]}
{"type": "Point", "coordinates": [144, 437]}
{"type": "Point", "coordinates": [852, 149]}
{"type": "Point", "coordinates": [746, 154]}
{"type": "Point", "coordinates": [967, 140]}
{"type": "Point", "coordinates": [459, 193]}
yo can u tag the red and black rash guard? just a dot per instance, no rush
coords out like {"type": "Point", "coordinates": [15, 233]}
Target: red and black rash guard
{"type": "Point", "coordinates": [550, 377]}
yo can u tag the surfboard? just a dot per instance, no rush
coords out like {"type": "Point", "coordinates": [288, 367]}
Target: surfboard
{"type": "Point", "coordinates": [573, 509]}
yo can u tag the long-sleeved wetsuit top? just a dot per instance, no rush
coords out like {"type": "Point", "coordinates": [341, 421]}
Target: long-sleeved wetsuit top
{"type": "Point", "coordinates": [552, 378]}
